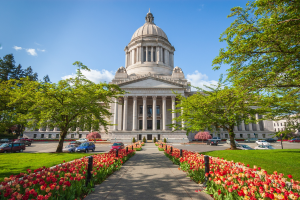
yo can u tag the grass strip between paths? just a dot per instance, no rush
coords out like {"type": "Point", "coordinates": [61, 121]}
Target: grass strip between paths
{"type": "Point", "coordinates": [15, 163]}
{"type": "Point", "coordinates": [286, 161]}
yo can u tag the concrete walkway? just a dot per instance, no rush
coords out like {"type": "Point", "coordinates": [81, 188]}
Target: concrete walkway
{"type": "Point", "coordinates": [148, 175]}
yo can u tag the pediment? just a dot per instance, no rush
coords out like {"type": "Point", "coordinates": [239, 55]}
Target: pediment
{"type": "Point", "coordinates": [149, 83]}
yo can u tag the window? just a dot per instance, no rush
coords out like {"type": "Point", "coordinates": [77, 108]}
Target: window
{"type": "Point", "coordinates": [72, 135]}
{"type": "Point", "coordinates": [284, 123]}
{"type": "Point", "coordinates": [280, 124]}
{"type": "Point", "coordinates": [248, 135]}
{"type": "Point", "coordinates": [140, 124]}
{"type": "Point", "coordinates": [264, 135]}
{"type": "Point", "coordinates": [149, 54]}
{"type": "Point", "coordinates": [275, 129]}
{"type": "Point", "coordinates": [163, 55]}
{"type": "Point", "coordinates": [80, 135]}
{"type": "Point", "coordinates": [34, 135]}
{"type": "Point", "coordinates": [36, 129]}
{"type": "Point", "coordinates": [154, 54]}
{"type": "Point", "coordinates": [50, 136]}
{"type": "Point", "coordinates": [144, 56]}
{"type": "Point", "coordinates": [16, 145]}
{"type": "Point", "coordinates": [274, 124]}
{"type": "Point", "coordinates": [219, 135]}
{"type": "Point", "coordinates": [149, 110]}
{"type": "Point", "coordinates": [57, 135]}
{"type": "Point", "coordinates": [226, 135]}
{"type": "Point", "coordinates": [42, 135]}
{"type": "Point", "coordinates": [241, 135]}
{"type": "Point", "coordinates": [277, 124]}
{"type": "Point", "coordinates": [141, 109]}
{"type": "Point", "coordinates": [158, 125]}
{"type": "Point", "coordinates": [158, 110]}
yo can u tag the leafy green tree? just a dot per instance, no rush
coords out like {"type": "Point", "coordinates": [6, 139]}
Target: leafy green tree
{"type": "Point", "coordinates": [67, 103]}
{"type": "Point", "coordinates": [220, 107]}
{"type": "Point", "coordinates": [263, 51]}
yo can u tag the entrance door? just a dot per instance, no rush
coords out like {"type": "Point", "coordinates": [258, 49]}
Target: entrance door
{"type": "Point", "coordinates": [158, 136]}
{"type": "Point", "coordinates": [140, 136]}
{"type": "Point", "coordinates": [149, 136]}
{"type": "Point", "coordinates": [149, 124]}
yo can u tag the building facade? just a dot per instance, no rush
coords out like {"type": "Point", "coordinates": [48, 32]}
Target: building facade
{"type": "Point", "coordinates": [150, 80]}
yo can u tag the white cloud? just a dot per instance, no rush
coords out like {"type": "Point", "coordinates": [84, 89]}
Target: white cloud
{"type": "Point", "coordinates": [42, 50]}
{"type": "Point", "coordinates": [95, 75]}
{"type": "Point", "coordinates": [199, 80]}
{"type": "Point", "coordinates": [31, 52]}
{"type": "Point", "coordinates": [37, 43]}
{"type": "Point", "coordinates": [17, 48]}
{"type": "Point", "coordinates": [1, 47]}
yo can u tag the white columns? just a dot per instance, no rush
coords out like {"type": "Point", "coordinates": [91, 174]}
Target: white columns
{"type": "Point", "coordinates": [134, 119]}
{"type": "Point", "coordinates": [141, 54]}
{"type": "Point", "coordinates": [164, 109]}
{"type": "Point", "coordinates": [146, 54]}
{"type": "Point", "coordinates": [243, 125]}
{"type": "Point", "coordinates": [167, 58]}
{"type": "Point", "coordinates": [144, 113]}
{"type": "Point", "coordinates": [257, 123]}
{"type": "Point", "coordinates": [151, 54]}
{"type": "Point", "coordinates": [250, 126]}
{"type": "Point", "coordinates": [173, 114]}
{"type": "Point", "coordinates": [133, 56]}
{"type": "Point", "coordinates": [172, 59]}
{"type": "Point", "coordinates": [137, 54]}
{"type": "Point", "coordinates": [126, 61]}
{"type": "Point", "coordinates": [154, 118]}
{"type": "Point", "coordinates": [125, 113]}
{"type": "Point", "coordinates": [159, 54]}
{"type": "Point", "coordinates": [116, 115]}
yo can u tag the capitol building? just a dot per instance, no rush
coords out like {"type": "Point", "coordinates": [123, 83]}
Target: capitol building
{"type": "Point", "coordinates": [149, 79]}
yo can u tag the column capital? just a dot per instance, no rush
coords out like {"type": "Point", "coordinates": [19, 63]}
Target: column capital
{"type": "Point", "coordinates": [164, 97]}
{"type": "Point", "coordinates": [134, 97]}
{"type": "Point", "coordinates": [173, 98]}
{"type": "Point", "coordinates": [125, 97]}
{"type": "Point", "coordinates": [154, 97]}
{"type": "Point", "coordinates": [144, 97]}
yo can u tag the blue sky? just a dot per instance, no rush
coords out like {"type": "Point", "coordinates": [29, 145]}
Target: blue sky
{"type": "Point", "coordinates": [49, 35]}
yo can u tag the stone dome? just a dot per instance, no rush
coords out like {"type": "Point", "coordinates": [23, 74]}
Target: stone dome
{"type": "Point", "coordinates": [149, 28]}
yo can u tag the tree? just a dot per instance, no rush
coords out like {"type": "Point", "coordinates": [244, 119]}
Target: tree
{"type": "Point", "coordinates": [68, 103]}
{"type": "Point", "coordinates": [220, 107]}
{"type": "Point", "coordinates": [263, 45]}
{"type": "Point", "coordinates": [263, 51]}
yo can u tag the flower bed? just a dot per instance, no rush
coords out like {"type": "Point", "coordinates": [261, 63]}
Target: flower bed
{"type": "Point", "coordinates": [229, 180]}
{"type": "Point", "coordinates": [136, 146]}
{"type": "Point", "coordinates": [66, 140]}
{"type": "Point", "coordinates": [65, 181]}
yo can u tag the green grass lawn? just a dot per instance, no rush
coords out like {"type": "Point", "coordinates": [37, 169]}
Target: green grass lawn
{"type": "Point", "coordinates": [286, 161]}
{"type": "Point", "coordinates": [15, 163]}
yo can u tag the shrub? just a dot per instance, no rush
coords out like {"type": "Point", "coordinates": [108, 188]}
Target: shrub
{"type": "Point", "coordinates": [165, 140]}
{"type": "Point", "coordinates": [144, 139]}
{"type": "Point", "coordinates": [133, 140]}
{"type": "Point", "coordinates": [154, 140]}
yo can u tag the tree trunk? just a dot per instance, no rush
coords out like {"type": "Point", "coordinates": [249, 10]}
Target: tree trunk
{"type": "Point", "coordinates": [231, 136]}
{"type": "Point", "coordinates": [63, 134]}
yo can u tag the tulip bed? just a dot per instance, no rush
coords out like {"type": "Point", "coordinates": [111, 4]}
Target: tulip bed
{"type": "Point", "coordinates": [65, 181]}
{"type": "Point", "coordinates": [229, 180]}
{"type": "Point", "coordinates": [136, 146]}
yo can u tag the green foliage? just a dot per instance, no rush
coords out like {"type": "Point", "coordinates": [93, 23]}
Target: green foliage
{"type": "Point", "coordinates": [220, 107]}
{"type": "Point", "coordinates": [263, 52]}
{"type": "Point", "coordinates": [154, 140]}
{"type": "Point", "coordinates": [161, 149]}
{"type": "Point", "coordinates": [284, 161]}
{"type": "Point", "coordinates": [133, 140]}
{"type": "Point", "coordinates": [15, 163]}
{"type": "Point", "coordinates": [69, 103]}
{"type": "Point", "coordinates": [144, 139]}
{"type": "Point", "coordinates": [165, 140]}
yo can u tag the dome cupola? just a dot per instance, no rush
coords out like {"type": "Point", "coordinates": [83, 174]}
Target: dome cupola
{"type": "Point", "coordinates": [149, 50]}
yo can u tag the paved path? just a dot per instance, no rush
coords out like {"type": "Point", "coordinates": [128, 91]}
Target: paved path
{"type": "Point", "coordinates": [148, 175]}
